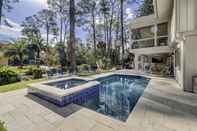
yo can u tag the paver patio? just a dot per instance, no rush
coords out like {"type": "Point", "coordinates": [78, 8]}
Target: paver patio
{"type": "Point", "coordinates": [163, 107]}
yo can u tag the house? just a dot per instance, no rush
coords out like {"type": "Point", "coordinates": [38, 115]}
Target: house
{"type": "Point", "coordinates": [165, 43]}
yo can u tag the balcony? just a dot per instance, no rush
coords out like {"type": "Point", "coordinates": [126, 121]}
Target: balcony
{"type": "Point", "coordinates": [150, 42]}
{"type": "Point", "coordinates": [151, 46]}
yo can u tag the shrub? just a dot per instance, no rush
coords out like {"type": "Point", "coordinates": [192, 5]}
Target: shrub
{"type": "Point", "coordinates": [36, 72]}
{"type": "Point", "coordinates": [8, 76]}
{"type": "Point", "coordinates": [83, 67]}
{"type": "Point", "coordinates": [2, 126]}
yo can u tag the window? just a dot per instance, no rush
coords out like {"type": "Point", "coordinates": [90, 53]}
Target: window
{"type": "Point", "coordinates": [145, 37]}
{"type": "Point", "coordinates": [162, 29]}
{"type": "Point", "coordinates": [142, 33]}
{"type": "Point", "coordinates": [143, 44]}
{"type": "Point", "coordinates": [162, 41]}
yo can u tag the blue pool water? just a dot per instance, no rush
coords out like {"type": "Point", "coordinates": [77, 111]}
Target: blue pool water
{"type": "Point", "coordinates": [117, 95]}
{"type": "Point", "coordinates": [66, 84]}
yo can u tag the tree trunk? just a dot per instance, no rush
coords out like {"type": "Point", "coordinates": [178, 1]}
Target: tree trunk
{"type": "Point", "coordinates": [65, 29]}
{"type": "Point", "coordinates": [61, 29]}
{"type": "Point", "coordinates": [1, 8]}
{"type": "Point", "coordinates": [122, 33]}
{"type": "Point", "coordinates": [71, 52]}
{"type": "Point", "coordinates": [110, 30]}
{"type": "Point", "coordinates": [21, 59]}
{"type": "Point", "coordinates": [38, 58]}
{"type": "Point", "coordinates": [94, 30]}
{"type": "Point", "coordinates": [47, 28]}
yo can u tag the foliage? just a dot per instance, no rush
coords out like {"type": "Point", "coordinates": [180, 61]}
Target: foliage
{"type": "Point", "coordinates": [8, 76]}
{"type": "Point", "coordinates": [36, 72]}
{"type": "Point", "coordinates": [146, 8]}
{"type": "Point", "coordinates": [62, 56]}
{"type": "Point", "coordinates": [18, 50]}
{"type": "Point", "coordinates": [2, 126]}
{"type": "Point", "coordinates": [83, 68]}
{"type": "Point", "coordinates": [19, 70]}
{"type": "Point", "coordinates": [46, 20]}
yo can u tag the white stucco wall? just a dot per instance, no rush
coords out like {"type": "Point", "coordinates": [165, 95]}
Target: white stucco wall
{"type": "Point", "coordinates": [186, 15]}
{"type": "Point", "coordinates": [190, 61]}
{"type": "Point", "coordinates": [184, 36]}
{"type": "Point", "coordinates": [179, 72]}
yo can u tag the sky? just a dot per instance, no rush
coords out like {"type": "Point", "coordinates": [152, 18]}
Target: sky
{"type": "Point", "coordinates": [27, 8]}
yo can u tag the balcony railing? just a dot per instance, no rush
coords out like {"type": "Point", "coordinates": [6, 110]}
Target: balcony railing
{"type": "Point", "coordinates": [150, 42]}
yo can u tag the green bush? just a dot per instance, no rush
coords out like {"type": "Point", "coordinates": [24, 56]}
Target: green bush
{"type": "Point", "coordinates": [83, 68]}
{"type": "Point", "coordinates": [2, 126]}
{"type": "Point", "coordinates": [36, 72]}
{"type": "Point", "coordinates": [8, 76]}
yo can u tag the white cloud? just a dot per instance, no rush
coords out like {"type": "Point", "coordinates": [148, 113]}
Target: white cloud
{"type": "Point", "coordinates": [40, 1]}
{"type": "Point", "coordinates": [11, 32]}
{"type": "Point", "coordinates": [129, 13]}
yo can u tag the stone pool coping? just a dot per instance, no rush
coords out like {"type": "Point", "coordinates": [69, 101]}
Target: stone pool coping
{"type": "Point", "coordinates": [56, 93]}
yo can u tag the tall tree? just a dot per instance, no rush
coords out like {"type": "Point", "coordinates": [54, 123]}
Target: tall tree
{"type": "Point", "coordinates": [122, 29]}
{"type": "Point", "coordinates": [71, 45]}
{"type": "Point", "coordinates": [60, 7]}
{"type": "Point", "coordinates": [46, 19]}
{"type": "Point", "coordinates": [89, 8]}
{"type": "Point", "coordinates": [37, 45]}
{"type": "Point", "coordinates": [31, 27]}
{"type": "Point", "coordinates": [111, 21]}
{"type": "Point", "coordinates": [105, 11]}
{"type": "Point", "coordinates": [6, 4]}
{"type": "Point", "coordinates": [146, 8]}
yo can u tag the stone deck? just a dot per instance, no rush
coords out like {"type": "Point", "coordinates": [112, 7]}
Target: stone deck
{"type": "Point", "coordinates": [163, 107]}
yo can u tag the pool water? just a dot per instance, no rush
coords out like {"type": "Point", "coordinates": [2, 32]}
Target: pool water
{"type": "Point", "coordinates": [117, 95]}
{"type": "Point", "coordinates": [66, 84]}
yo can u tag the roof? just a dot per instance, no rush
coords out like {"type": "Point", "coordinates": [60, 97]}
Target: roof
{"type": "Point", "coordinates": [162, 13]}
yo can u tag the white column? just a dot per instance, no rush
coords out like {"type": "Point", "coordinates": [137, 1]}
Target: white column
{"type": "Point", "coordinates": [136, 61]}
{"type": "Point", "coordinates": [155, 35]}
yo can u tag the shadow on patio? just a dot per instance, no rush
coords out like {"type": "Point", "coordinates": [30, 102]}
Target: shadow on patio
{"type": "Point", "coordinates": [63, 111]}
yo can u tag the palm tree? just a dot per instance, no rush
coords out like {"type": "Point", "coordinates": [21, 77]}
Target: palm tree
{"type": "Point", "coordinates": [18, 50]}
{"type": "Point", "coordinates": [37, 46]}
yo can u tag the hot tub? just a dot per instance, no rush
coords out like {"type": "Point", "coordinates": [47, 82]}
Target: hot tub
{"type": "Point", "coordinates": [63, 91]}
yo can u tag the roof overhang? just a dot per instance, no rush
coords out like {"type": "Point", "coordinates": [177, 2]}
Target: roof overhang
{"type": "Point", "coordinates": [163, 8]}
{"type": "Point", "coordinates": [152, 50]}
{"type": "Point", "coordinates": [146, 21]}
{"type": "Point", "coordinates": [162, 13]}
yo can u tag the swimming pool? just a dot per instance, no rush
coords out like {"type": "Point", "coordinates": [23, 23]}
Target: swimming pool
{"type": "Point", "coordinates": [114, 95]}
{"type": "Point", "coordinates": [117, 95]}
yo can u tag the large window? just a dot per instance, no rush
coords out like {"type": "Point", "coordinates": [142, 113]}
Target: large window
{"type": "Point", "coordinates": [150, 36]}
{"type": "Point", "coordinates": [142, 33]}
{"type": "Point", "coordinates": [162, 29]}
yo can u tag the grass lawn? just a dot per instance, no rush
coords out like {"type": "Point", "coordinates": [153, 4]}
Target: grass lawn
{"type": "Point", "coordinates": [23, 84]}
{"type": "Point", "coordinates": [18, 85]}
